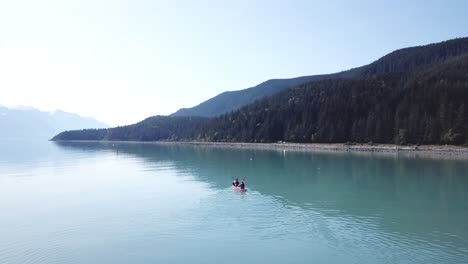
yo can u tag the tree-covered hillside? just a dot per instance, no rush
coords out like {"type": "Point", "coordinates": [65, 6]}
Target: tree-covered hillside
{"type": "Point", "coordinates": [232, 100]}
{"type": "Point", "coordinates": [150, 129]}
{"type": "Point", "coordinates": [426, 107]}
{"type": "Point", "coordinates": [403, 60]}
{"type": "Point", "coordinates": [416, 58]}
{"type": "Point", "coordinates": [416, 95]}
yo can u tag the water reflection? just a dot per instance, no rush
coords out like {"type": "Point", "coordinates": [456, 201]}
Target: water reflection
{"type": "Point", "coordinates": [141, 198]}
{"type": "Point", "coordinates": [417, 196]}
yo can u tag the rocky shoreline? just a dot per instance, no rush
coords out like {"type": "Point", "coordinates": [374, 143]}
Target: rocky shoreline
{"type": "Point", "coordinates": [339, 147]}
{"type": "Point", "coordinates": [427, 150]}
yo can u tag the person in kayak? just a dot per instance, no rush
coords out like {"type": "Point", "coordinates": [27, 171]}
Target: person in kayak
{"type": "Point", "coordinates": [242, 185]}
{"type": "Point", "coordinates": [235, 183]}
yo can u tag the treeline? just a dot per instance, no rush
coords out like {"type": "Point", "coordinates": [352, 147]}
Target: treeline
{"type": "Point", "coordinates": [411, 96]}
{"type": "Point", "coordinates": [425, 107]}
{"type": "Point", "coordinates": [403, 60]}
{"type": "Point", "coordinates": [151, 129]}
{"type": "Point", "coordinates": [421, 108]}
{"type": "Point", "coordinates": [415, 58]}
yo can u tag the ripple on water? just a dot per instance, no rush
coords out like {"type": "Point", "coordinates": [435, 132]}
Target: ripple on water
{"type": "Point", "coordinates": [139, 206]}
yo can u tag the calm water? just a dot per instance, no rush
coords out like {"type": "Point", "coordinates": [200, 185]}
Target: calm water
{"type": "Point", "coordinates": [139, 203]}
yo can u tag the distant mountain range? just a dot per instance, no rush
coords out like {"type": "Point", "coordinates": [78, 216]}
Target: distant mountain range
{"type": "Point", "coordinates": [27, 122]}
{"type": "Point", "coordinates": [415, 95]}
{"type": "Point", "coordinates": [402, 60]}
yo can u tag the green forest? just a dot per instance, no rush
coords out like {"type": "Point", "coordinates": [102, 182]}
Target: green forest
{"type": "Point", "coordinates": [412, 96]}
{"type": "Point", "coordinates": [423, 108]}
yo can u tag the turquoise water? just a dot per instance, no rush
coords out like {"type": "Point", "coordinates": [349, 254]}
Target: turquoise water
{"type": "Point", "coordinates": [142, 203]}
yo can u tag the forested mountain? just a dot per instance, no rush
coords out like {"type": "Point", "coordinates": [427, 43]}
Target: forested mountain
{"type": "Point", "coordinates": [414, 58]}
{"type": "Point", "coordinates": [402, 60]}
{"type": "Point", "coordinates": [150, 129]}
{"type": "Point", "coordinates": [27, 122]}
{"type": "Point", "coordinates": [426, 107]}
{"type": "Point", "coordinates": [232, 100]}
{"type": "Point", "coordinates": [417, 97]}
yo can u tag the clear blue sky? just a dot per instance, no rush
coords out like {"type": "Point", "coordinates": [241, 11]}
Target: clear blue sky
{"type": "Point", "coordinates": [121, 61]}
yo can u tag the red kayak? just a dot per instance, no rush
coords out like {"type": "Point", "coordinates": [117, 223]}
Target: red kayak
{"type": "Point", "coordinates": [238, 189]}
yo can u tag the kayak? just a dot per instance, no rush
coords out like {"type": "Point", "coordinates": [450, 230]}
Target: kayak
{"type": "Point", "coordinates": [238, 189]}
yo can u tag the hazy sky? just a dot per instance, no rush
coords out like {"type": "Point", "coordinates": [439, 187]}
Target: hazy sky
{"type": "Point", "coordinates": [122, 61]}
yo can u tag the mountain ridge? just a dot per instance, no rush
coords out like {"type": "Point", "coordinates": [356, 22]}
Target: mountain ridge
{"type": "Point", "coordinates": [232, 100]}
{"type": "Point", "coordinates": [415, 98]}
{"type": "Point", "coordinates": [395, 61]}
{"type": "Point", "coordinates": [25, 121]}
